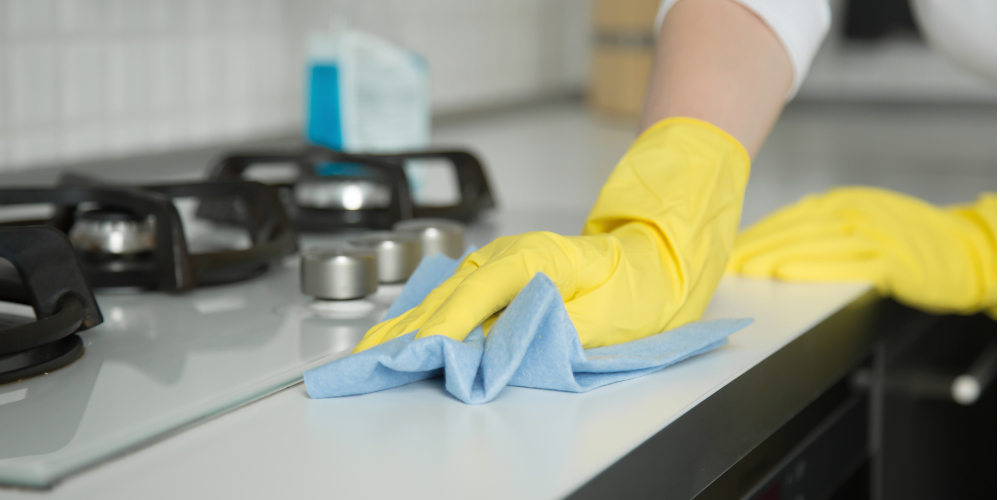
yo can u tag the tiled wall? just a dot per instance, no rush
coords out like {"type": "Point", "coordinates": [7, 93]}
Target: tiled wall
{"type": "Point", "coordinates": [84, 79]}
{"type": "Point", "coordinates": [87, 79]}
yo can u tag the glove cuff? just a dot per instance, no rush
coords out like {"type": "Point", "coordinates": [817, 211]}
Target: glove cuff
{"type": "Point", "coordinates": [686, 121]}
{"type": "Point", "coordinates": [674, 201]}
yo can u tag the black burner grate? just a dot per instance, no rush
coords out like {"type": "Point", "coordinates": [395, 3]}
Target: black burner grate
{"type": "Point", "coordinates": [51, 282]}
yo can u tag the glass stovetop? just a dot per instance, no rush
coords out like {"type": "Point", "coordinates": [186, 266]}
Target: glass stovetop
{"type": "Point", "coordinates": [161, 362]}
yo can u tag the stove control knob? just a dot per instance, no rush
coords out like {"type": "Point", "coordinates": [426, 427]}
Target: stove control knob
{"type": "Point", "coordinates": [436, 235]}
{"type": "Point", "coordinates": [398, 253]}
{"type": "Point", "coordinates": [339, 273]}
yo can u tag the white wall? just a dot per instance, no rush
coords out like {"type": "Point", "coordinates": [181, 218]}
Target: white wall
{"type": "Point", "coordinates": [86, 79]}
{"type": "Point", "coordinates": [83, 79]}
{"type": "Point", "coordinates": [481, 52]}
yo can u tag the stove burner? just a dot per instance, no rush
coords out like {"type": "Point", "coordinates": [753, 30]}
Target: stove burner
{"type": "Point", "coordinates": [337, 191]}
{"type": "Point", "coordinates": [40, 360]}
{"type": "Point", "coordinates": [341, 194]}
{"type": "Point", "coordinates": [135, 237]}
{"type": "Point", "coordinates": [52, 284]}
{"type": "Point", "coordinates": [113, 232]}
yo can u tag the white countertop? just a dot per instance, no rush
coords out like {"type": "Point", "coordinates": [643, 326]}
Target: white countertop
{"type": "Point", "coordinates": [418, 442]}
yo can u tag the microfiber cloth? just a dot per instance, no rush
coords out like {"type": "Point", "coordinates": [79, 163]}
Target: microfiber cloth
{"type": "Point", "coordinates": [532, 344]}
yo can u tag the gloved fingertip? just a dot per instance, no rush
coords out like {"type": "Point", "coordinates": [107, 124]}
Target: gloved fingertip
{"type": "Point", "coordinates": [375, 336]}
{"type": "Point", "coordinates": [362, 346]}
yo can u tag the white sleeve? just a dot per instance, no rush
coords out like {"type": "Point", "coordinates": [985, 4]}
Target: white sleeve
{"type": "Point", "coordinates": [800, 25]}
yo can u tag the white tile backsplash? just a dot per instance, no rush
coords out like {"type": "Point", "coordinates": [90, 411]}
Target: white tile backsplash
{"type": "Point", "coordinates": [127, 137]}
{"type": "Point", "coordinates": [237, 14]}
{"type": "Point", "coordinates": [128, 16]}
{"type": "Point", "coordinates": [167, 74]}
{"type": "Point", "coordinates": [84, 142]}
{"type": "Point", "coordinates": [80, 17]}
{"type": "Point", "coordinates": [237, 60]}
{"type": "Point", "coordinates": [34, 147]}
{"type": "Point", "coordinates": [86, 79]}
{"type": "Point", "coordinates": [270, 15]}
{"type": "Point", "coordinates": [127, 78]}
{"type": "Point", "coordinates": [206, 71]}
{"type": "Point", "coordinates": [3, 92]}
{"type": "Point", "coordinates": [238, 121]}
{"type": "Point", "coordinates": [165, 133]}
{"type": "Point", "coordinates": [196, 14]}
{"type": "Point", "coordinates": [32, 76]}
{"type": "Point", "coordinates": [26, 18]}
{"type": "Point", "coordinates": [166, 15]}
{"type": "Point", "coordinates": [81, 82]}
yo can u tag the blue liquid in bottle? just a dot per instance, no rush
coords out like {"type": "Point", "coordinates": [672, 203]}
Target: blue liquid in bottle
{"type": "Point", "coordinates": [324, 127]}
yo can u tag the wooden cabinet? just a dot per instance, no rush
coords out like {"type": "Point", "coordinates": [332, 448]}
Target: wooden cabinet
{"type": "Point", "coordinates": [621, 54]}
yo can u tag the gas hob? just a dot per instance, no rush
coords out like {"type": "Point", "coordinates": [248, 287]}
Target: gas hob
{"type": "Point", "coordinates": [200, 299]}
{"type": "Point", "coordinates": [161, 362]}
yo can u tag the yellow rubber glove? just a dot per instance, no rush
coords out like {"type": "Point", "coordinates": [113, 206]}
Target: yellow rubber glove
{"type": "Point", "coordinates": [652, 252]}
{"type": "Point", "coordinates": [940, 260]}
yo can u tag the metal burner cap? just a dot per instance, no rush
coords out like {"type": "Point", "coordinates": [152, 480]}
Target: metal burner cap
{"type": "Point", "coordinates": [398, 253]}
{"type": "Point", "coordinates": [339, 273]}
{"type": "Point", "coordinates": [436, 235]}
{"type": "Point", "coordinates": [108, 215]}
{"type": "Point", "coordinates": [113, 232]}
{"type": "Point", "coordinates": [341, 194]}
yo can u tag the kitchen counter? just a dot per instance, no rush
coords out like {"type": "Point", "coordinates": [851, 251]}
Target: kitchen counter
{"type": "Point", "coordinates": [418, 442]}
{"type": "Point", "coordinates": [667, 435]}
{"type": "Point", "coordinates": [671, 433]}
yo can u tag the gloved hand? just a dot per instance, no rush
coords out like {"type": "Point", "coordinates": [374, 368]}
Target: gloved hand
{"type": "Point", "coordinates": [652, 252]}
{"type": "Point", "coordinates": [936, 259]}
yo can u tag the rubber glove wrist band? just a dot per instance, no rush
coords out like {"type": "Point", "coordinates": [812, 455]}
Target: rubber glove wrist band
{"type": "Point", "coordinates": [677, 120]}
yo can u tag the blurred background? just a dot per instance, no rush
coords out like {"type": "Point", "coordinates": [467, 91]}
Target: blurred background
{"type": "Point", "coordinates": [545, 90]}
{"type": "Point", "coordinates": [541, 88]}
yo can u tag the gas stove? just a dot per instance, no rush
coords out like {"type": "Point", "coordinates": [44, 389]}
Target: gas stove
{"type": "Point", "coordinates": [327, 191]}
{"type": "Point", "coordinates": [51, 283]}
{"type": "Point", "coordinates": [119, 237]}
{"type": "Point", "coordinates": [128, 313]}
{"type": "Point", "coordinates": [134, 237]}
{"type": "Point", "coordinates": [161, 362]}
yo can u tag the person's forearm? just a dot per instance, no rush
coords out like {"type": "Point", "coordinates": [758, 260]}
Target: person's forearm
{"type": "Point", "coordinates": [718, 62]}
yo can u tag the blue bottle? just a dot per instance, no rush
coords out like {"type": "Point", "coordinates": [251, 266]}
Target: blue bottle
{"type": "Point", "coordinates": [323, 113]}
{"type": "Point", "coordinates": [365, 94]}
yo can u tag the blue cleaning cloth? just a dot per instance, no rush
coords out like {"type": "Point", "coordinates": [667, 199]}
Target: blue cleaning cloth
{"type": "Point", "coordinates": [532, 344]}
